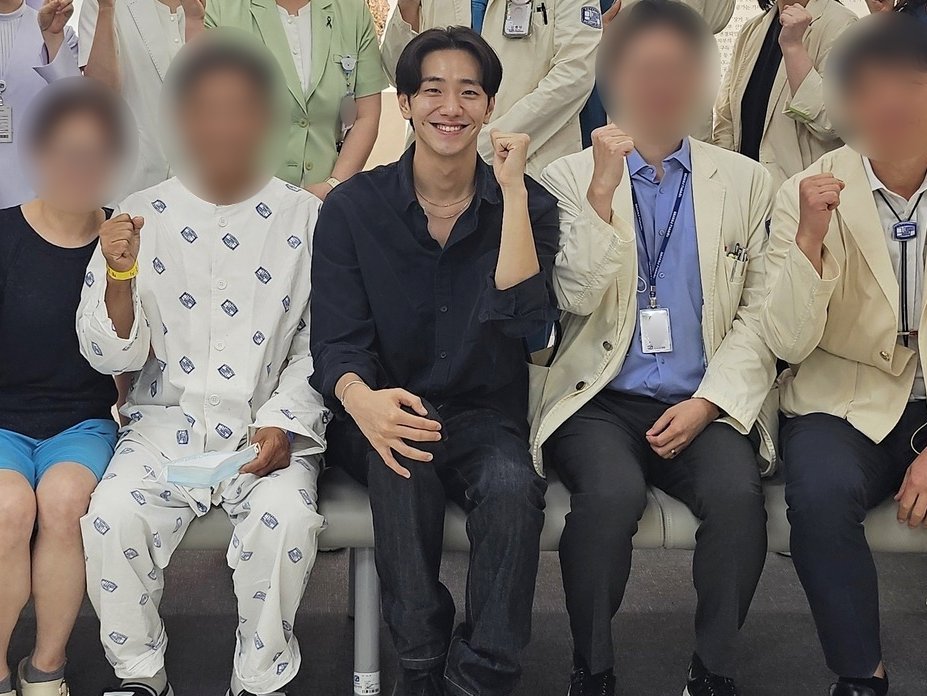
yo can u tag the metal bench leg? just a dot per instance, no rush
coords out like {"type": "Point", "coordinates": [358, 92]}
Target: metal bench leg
{"type": "Point", "coordinates": [366, 624]}
{"type": "Point", "coordinates": [352, 575]}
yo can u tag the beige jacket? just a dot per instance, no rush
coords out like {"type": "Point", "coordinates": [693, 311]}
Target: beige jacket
{"type": "Point", "coordinates": [798, 130]}
{"type": "Point", "coordinates": [839, 331]}
{"type": "Point", "coordinates": [547, 77]}
{"type": "Point", "coordinates": [595, 279]}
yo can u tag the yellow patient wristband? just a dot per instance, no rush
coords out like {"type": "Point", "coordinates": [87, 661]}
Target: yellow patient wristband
{"type": "Point", "coordinates": [122, 275]}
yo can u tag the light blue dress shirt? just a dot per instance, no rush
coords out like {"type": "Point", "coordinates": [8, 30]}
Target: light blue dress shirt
{"type": "Point", "coordinates": [675, 376]}
{"type": "Point", "coordinates": [477, 13]}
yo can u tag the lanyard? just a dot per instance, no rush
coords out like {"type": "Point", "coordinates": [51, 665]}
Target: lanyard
{"type": "Point", "coordinates": [653, 268]}
{"type": "Point", "coordinates": [905, 327]}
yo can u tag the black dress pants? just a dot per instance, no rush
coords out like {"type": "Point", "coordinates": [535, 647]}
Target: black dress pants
{"type": "Point", "coordinates": [604, 459]}
{"type": "Point", "coordinates": [834, 476]}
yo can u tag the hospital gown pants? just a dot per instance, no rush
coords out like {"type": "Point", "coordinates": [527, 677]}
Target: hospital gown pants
{"type": "Point", "coordinates": [136, 521]}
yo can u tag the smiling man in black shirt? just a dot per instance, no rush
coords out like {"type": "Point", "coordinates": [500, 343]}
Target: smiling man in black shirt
{"type": "Point", "coordinates": [427, 275]}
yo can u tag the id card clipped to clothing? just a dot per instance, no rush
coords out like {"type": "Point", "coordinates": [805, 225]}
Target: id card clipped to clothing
{"type": "Point", "coordinates": [517, 18]}
{"type": "Point", "coordinates": [656, 330]}
{"type": "Point", "coordinates": [6, 117]}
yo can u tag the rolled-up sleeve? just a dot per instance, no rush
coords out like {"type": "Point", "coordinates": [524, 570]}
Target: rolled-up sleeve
{"type": "Point", "coordinates": [64, 63]}
{"type": "Point", "coordinates": [529, 306]}
{"type": "Point", "coordinates": [342, 331]}
{"type": "Point", "coordinates": [99, 344]}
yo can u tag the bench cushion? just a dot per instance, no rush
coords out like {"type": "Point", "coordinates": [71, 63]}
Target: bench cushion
{"type": "Point", "coordinates": [667, 523]}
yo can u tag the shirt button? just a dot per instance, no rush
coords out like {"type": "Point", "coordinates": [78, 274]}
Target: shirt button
{"type": "Point", "coordinates": [442, 354]}
{"type": "Point", "coordinates": [223, 222]}
{"type": "Point", "coordinates": [176, 40]}
{"type": "Point", "coordinates": [662, 232]}
{"type": "Point", "coordinates": [220, 345]}
{"type": "Point", "coordinates": [221, 284]}
{"type": "Point", "coordinates": [885, 355]}
{"type": "Point", "coordinates": [607, 345]}
{"type": "Point", "coordinates": [443, 309]}
{"type": "Point", "coordinates": [214, 400]}
{"type": "Point", "coordinates": [662, 275]}
{"type": "Point", "coordinates": [580, 385]}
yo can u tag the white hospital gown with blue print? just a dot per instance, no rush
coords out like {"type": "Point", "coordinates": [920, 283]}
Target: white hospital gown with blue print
{"type": "Point", "coordinates": [218, 349]}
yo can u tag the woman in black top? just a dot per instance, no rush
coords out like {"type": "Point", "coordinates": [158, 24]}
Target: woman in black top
{"type": "Point", "coordinates": [56, 427]}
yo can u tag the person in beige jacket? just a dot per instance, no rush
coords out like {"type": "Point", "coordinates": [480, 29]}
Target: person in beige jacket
{"type": "Point", "coordinates": [549, 73]}
{"type": "Point", "coordinates": [661, 373]}
{"type": "Point", "coordinates": [846, 271]}
{"type": "Point", "coordinates": [771, 103]}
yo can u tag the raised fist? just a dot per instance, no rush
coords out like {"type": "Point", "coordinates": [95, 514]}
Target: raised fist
{"type": "Point", "coordinates": [819, 197]}
{"type": "Point", "coordinates": [510, 155]}
{"type": "Point", "coordinates": [610, 145]}
{"type": "Point", "coordinates": [795, 19]}
{"type": "Point", "coordinates": [54, 15]}
{"type": "Point", "coordinates": [119, 240]}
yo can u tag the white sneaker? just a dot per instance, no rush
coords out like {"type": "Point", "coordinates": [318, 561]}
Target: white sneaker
{"type": "Point", "coordinates": [58, 687]}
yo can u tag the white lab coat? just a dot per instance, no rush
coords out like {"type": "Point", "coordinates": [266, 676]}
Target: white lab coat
{"type": "Point", "coordinates": [27, 74]}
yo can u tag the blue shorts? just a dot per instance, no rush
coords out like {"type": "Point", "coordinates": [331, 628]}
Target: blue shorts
{"type": "Point", "coordinates": [89, 443]}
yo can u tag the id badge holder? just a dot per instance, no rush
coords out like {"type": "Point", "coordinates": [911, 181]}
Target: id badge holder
{"type": "Point", "coordinates": [656, 331]}
{"type": "Point", "coordinates": [904, 231]}
{"type": "Point", "coordinates": [517, 19]}
{"type": "Point", "coordinates": [6, 117]}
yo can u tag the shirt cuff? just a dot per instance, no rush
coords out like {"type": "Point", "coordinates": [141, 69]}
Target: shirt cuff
{"type": "Point", "coordinates": [806, 104]}
{"type": "Point", "coordinates": [529, 300]}
{"type": "Point", "coordinates": [64, 65]}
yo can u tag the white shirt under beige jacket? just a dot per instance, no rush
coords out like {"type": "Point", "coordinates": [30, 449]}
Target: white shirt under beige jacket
{"type": "Point", "coordinates": [547, 77]}
{"type": "Point", "coordinates": [596, 280]}
{"type": "Point", "coordinates": [798, 129]}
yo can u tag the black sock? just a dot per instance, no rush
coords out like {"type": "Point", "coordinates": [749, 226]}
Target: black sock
{"type": "Point", "coordinates": [877, 684]}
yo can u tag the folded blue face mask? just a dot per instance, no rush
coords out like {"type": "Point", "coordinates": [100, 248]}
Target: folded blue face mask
{"type": "Point", "coordinates": [210, 469]}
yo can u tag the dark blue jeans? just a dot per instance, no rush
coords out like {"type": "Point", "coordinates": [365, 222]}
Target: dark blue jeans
{"type": "Point", "coordinates": [485, 467]}
{"type": "Point", "coordinates": [833, 476]}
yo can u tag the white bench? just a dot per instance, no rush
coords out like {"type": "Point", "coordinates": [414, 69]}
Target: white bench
{"type": "Point", "coordinates": [666, 523]}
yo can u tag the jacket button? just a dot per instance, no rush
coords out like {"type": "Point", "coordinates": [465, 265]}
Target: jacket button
{"type": "Point", "coordinates": [580, 385]}
{"type": "Point", "coordinates": [307, 166]}
{"type": "Point", "coordinates": [884, 354]}
{"type": "Point", "coordinates": [303, 123]}
{"type": "Point", "coordinates": [607, 346]}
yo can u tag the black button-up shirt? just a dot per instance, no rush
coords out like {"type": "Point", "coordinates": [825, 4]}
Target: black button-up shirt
{"type": "Point", "coordinates": [391, 305]}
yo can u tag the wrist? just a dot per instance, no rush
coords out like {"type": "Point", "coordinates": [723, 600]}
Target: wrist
{"type": "Point", "coordinates": [515, 190]}
{"type": "Point", "coordinates": [600, 191]}
{"type": "Point", "coordinates": [793, 49]}
{"type": "Point", "coordinates": [712, 412]}
{"type": "Point", "coordinates": [350, 392]}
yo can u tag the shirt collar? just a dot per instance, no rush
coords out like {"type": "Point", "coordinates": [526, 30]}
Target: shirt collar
{"type": "Point", "coordinates": [487, 188]}
{"type": "Point", "coordinates": [876, 184]}
{"type": "Point", "coordinates": [682, 156]}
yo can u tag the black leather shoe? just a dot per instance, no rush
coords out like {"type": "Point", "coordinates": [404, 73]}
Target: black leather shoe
{"type": "Point", "coordinates": [701, 682]}
{"type": "Point", "coordinates": [846, 689]}
{"type": "Point", "coordinates": [582, 683]}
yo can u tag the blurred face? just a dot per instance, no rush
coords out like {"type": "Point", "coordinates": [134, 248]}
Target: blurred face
{"type": "Point", "coordinates": [224, 126]}
{"type": "Point", "coordinates": [450, 106]}
{"type": "Point", "coordinates": [77, 164]}
{"type": "Point", "coordinates": [886, 112]}
{"type": "Point", "coordinates": [660, 84]}
{"type": "Point", "coordinates": [785, 3]}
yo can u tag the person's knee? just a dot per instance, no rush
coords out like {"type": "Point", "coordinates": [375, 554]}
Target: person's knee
{"type": "Point", "coordinates": [17, 514]}
{"type": "Point", "coordinates": [113, 516]}
{"type": "Point", "coordinates": [821, 505]}
{"type": "Point", "coordinates": [735, 501]}
{"type": "Point", "coordinates": [61, 503]}
{"type": "Point", "coordinates": [609, 512]}
{"type": "Point", "coordinates": [513, 484]}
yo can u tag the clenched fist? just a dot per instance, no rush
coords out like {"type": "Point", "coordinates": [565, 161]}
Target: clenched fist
{"type": "Point", "coordinates": [795, 20]}
{"type": "Point", "coordinates": [610, 146]}
{"type": "Point", "coordinates": [54, 14]}
{"type": "Point", "coordinates": [819, 197]}
{"type": "Point", "coordinates": [510, 156]}
{"type": "Point", "coordinates": [119, 240]}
